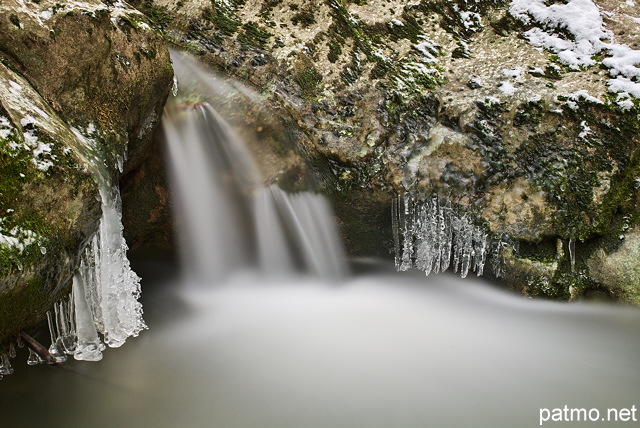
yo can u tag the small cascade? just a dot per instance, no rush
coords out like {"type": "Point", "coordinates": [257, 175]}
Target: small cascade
{"type": "Point", "coordinates": [430, 235]}
{"type": "Point", "coordinates": [228, 219]}
{"type": "Point", "coordinates": [210, 171]}
{"type": "Point", "coordinates": [298, 224]}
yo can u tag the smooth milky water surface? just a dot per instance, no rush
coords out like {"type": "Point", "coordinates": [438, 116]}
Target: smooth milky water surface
{"type": "Point", "coordinates": [380, 350]}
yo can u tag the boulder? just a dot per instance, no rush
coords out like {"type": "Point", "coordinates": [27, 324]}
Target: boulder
{"type": "Point", "coordinates": [524, 115]}
{"type": "Point", "coordinates": [70, 74]}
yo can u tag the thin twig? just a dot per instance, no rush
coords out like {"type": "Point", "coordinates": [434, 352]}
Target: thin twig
{"type": "Point", "coordinates": [36, 347]}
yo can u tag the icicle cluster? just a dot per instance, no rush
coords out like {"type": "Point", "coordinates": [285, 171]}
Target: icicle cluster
{"type": "Point", "coordinates": [5, 365]}
{"type": "Point", "coordinates": [62, 329]}
{"type": "Point", "coordinates": [431, 235]}
{"type": "Point", "coordinates": [104, 297]}
{"type": "Point", "coordinates": [106, 289]}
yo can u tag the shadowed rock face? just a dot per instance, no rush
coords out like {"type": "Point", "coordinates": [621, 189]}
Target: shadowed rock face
{"type": "Point", "coordinates": [68, 72]}
{"type": "Point", "coordinates": [450, 98]}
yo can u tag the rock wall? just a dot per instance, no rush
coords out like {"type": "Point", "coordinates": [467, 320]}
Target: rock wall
{"type": "Point", "coordinates": [522, 114]}
{"type": "Point", "coordinates": [69, 72]}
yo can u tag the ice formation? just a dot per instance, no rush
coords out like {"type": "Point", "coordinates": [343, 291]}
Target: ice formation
{"type": "Point", "coordinates": [431, 235]}
{"type": "Point", "coordinates": [105, 289]}
{"type": "Point", "coordinates": [104, 296]}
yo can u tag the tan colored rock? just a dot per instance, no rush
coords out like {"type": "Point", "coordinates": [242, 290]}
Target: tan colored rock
{"type": "Point", "coordinates": [619, 271]}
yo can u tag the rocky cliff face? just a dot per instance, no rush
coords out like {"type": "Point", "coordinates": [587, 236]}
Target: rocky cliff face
{"type": "Point", "coordinates": [69, 72]}
{"type": "Point", "coordinates": [523, 115]}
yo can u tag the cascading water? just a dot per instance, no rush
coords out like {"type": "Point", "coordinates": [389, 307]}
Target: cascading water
{"type": "Point", "coordinates": [209, 199]}
{"type": "Point", "coordinates": [228, 218]}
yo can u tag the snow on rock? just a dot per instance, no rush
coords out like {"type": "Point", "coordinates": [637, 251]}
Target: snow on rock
{"type": "Point", "coordinates": [576, 33]}
{"type": "Point", "coordinates": [507, 88]}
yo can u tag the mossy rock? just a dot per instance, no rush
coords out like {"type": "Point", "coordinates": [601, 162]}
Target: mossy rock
{"type": "Point", "coordinates": [69, 73]}
{"type": "Point", "coordinates": [93, 64]}
{"type": "Point", "coordinates": [49, 205]}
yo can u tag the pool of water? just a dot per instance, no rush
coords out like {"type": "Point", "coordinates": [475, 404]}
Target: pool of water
{"type": "Point", "coordinates": [382, 349]}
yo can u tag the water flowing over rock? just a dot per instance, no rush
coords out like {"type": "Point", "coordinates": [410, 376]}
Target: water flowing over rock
{"type": "Point", "coordinates": [229, 219]}
{"type": "Point", "coordinates": [518, 112]}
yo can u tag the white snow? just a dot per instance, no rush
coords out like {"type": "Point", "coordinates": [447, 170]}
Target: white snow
{"type": "Point", "coordinates": [581, 95]}
{"type": "Point", "coordinates": [516, 72]}
{"type": "Point", "coordinates": [582, 19]}
{"type": "Point", "coordinates": [507, 88]}
{"type": "Point", "coordinates": [625, 104]}
{"type": "Point", "coordinates": [5, 127]}
{"type": "Point", "coordinates": [471, 20]}
{"type": "Point", "coordinates": [428, 49]}
{"type": "Point", "coordinates": [585, 130]}
{"type": "Point", "coordinates": [17, 238]}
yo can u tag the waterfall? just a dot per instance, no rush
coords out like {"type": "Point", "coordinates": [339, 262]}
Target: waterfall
{"type": "Point", "coordinates": [210, 170]}
{"type": "Point", "coordinates": [228, 218]}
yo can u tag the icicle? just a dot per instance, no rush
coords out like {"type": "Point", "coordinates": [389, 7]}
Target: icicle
{"type": "Point", "coordinates": [56, 342]}
{"type": "Point", "coordinates": [34, 358]}
{"type": "Point", "coordinates": [395, 226]}
{"type": "Point", "coordinates": [89, 347]}
{"type": "Point", "coordinates": [572, 253]}
{"type": "Point", "coordinates": [64, 314]}
{"type": "Point", "coordinates": [447, 237]}
{"type": "Point", "coordinates": [12, 351]}
{"type": "Point", "coordinates": [174, 87]}
{"type": "Point", "coordinates": [407, 233]}
{"type": "Point", "coordinates": [480, 245]}
{"type": "Point", "coordinates": [5, 365]}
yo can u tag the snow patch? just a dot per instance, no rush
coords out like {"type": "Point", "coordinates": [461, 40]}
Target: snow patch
{"type": "Point", "coordinates": [575, 32]}
{"type": "Point", "coordinates": [581, 95]}
{"type": "Point", "coordinates": [507, 88]}
{"type": "Point", "coordinates": [516, 72]}
{"type": "Point", "coordinates": [17, 238]}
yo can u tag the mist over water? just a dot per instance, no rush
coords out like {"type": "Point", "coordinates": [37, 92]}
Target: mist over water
{"type": "Point", "coordinates": [279, 334]}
